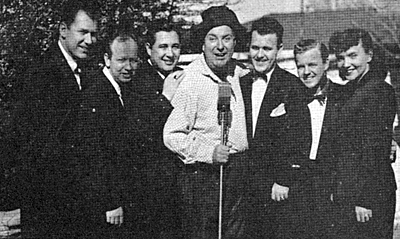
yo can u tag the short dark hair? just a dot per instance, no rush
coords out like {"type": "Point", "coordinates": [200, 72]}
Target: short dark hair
{"type": "Point", "coordinates": [342, 40]}
{"type": "Point", "coordinates": [158, 26]}
{"type": "Point", "coordinates": [268, 25]}
{"type": "Point", "coordinates": [71, 8]}
{"type": "Point", "coordinates": [123, 32]}
{"type": "Point", "coordinates": [308, 44]}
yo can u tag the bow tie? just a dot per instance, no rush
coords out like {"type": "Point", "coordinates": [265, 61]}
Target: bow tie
{"type": "Point", "coordinates": [260, 76]}
{"type": "Point", "coordinates": [320, 97]}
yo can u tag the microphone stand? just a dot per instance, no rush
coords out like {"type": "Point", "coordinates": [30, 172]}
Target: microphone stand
{"type": "Point", "coordinates": [224, 118]}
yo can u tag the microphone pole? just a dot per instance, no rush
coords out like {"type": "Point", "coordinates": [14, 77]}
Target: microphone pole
{"type": "Point", "coordinates": [224, 119]}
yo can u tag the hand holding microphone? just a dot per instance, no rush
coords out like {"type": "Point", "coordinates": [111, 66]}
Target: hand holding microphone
{"type": "Point", "coordinates": [220, 154]}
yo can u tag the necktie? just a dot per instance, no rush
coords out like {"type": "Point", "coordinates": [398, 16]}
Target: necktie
{"type": "Point", "coordinates": [77, 70]}
{"type": "Point", "coordinates": [77, 73]}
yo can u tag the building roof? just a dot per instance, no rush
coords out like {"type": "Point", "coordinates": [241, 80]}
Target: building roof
{"type": "Point", "coordinates": [321, 25]}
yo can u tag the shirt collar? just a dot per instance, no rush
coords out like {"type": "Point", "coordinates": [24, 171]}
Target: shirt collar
{"type": "Point", "coordinates": [71, 62]}
{"type": "Point", "coordinates": [107, 73]}
{"type": "Point", "coordinates": [269, 74]}
{"type": "Point", "coordinates": [151, 64]}
{"type": "Point", "coordinates": [206, 71]}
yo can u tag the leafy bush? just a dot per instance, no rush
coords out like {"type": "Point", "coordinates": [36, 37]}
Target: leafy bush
{"type": "Point", "coordinates": [27, 29]}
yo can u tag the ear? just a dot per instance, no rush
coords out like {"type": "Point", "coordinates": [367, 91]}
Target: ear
{"type": "Point", "coordinates": [280, 48]}
{"type": "Point", "coordinates": [148, 48]}
{"type": "Point", "coordinates": [107, 60]}
{"type": "Point", "coordinates": [326, 64]}
{"type": "Point", "coordinates": [370, 54]}
{"type": "Point", "coordinates": [63, 30]}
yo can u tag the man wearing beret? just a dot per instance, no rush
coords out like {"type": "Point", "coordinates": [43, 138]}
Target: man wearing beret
{"type": "Point", "coordinates": [192, 130]}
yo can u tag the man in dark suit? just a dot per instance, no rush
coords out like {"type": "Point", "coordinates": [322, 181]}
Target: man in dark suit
{"type": "Point", "coordinates": [306, 155]}
{"type": "Point", "coordinates": [156, 82]}
{"type": "Point", "coordinates": [365, 186]}
{"type": "Point", "coordinates": [51, 97]}
{"type": "Point", "coordinates": [106, 155]}
{"type": "Point", "coordinates": [264, 95]}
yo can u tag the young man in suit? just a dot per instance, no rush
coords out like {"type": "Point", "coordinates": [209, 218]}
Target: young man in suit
{"type": "Point", "coordinates": [106, 175]}
{"type": "Point", "coordinates": [52, 94]}
{"type": "Point", "coordinates": [365, 186]}
{"type": "Point", "coordinates": [157, 80]}
{"type": "Point", "coordinates": [264, 93]}
{"type": "Point", "coordinates": [306, 154]}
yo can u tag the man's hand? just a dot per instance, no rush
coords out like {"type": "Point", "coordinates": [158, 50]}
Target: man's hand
{"type": "Point", "coordinates": [363, 214]}
{"type": "Point", "coordinates": [220, 154]}
{"type": "Point", "coordinates": [279, 193]}
{"type": "Point", "coordinates": [171, 83]}
{"type": "Point", "coordinates": [115, 216]}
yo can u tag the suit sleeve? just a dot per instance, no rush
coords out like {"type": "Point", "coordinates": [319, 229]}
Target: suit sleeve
{"type": "Point", "coordinates": [155, 113]}
{"type": "Point", "coordinates": [376, 121]}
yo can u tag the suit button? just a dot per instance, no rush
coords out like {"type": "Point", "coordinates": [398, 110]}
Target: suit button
{"type": "Point", "coordinates": [94, 110]}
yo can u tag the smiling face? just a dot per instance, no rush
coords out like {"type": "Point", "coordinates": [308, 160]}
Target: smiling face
{"type": "Point", "coordinates": [123, 61]}
{"type": "Point", "coordinates": [79, 36]}
{"type": "Point", "coordinates": [164, 53]}
{"type": "Point", "coordinates": [263, 51]}
{"type": "Point", "coordinates": [311, 67]}
{"type": "Point", "coordinates": [218, 47]}
{"type": "Point", "coordinates": [354, 62]}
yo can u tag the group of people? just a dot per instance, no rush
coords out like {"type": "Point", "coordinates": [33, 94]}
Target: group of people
{"type": "Point", "coordinates": [134, 149]}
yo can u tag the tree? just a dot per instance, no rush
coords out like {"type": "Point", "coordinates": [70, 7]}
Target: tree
{"type": "Point", "coordinates": [27, 28]}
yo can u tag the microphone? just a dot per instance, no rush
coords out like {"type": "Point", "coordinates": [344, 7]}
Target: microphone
{"type": "Point", "coordinates": [224, 110]}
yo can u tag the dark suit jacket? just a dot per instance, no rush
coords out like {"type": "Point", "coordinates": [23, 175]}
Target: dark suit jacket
{"type": "Point", "coordinates": [298, 139]}
{"type": "Point", "coordinates": [47, 119]}
{"type": "Point", "coordinates": [51, 97]}
{"type": "Point", "coordinates": [364, 141]}
{"type": "Point", "coordinates": [160, 166]}
{"type": "Point", "coordinates": [105, 157]}
{"type": "Point", "coordinates": [148, 85]}
{"type": "Point", "coordinates": [265, 144]}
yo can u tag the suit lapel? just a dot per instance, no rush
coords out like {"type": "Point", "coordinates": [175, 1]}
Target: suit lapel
{"type": "Point", "coordinates": [67, 81]}
{"type": "Point", "coordinates": [270, 101]}
{"type": "Point", "coordinates": [246, 87]}
{"type": "Point", "coordinates": [329, 127]}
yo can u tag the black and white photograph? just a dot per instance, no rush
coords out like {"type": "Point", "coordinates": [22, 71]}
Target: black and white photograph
{"type": "Point", "coordinates": [200, 119]}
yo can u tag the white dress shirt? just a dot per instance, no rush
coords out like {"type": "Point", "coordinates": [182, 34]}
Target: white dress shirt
{"type": "Point", "coordinates": [317, 111]}
{"type": "Point", "coordinates": [72, 64]}
{"type": "Point", "coordinates": [259, 88]}
{"type": "Point", "coordinates": [107, 73]}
